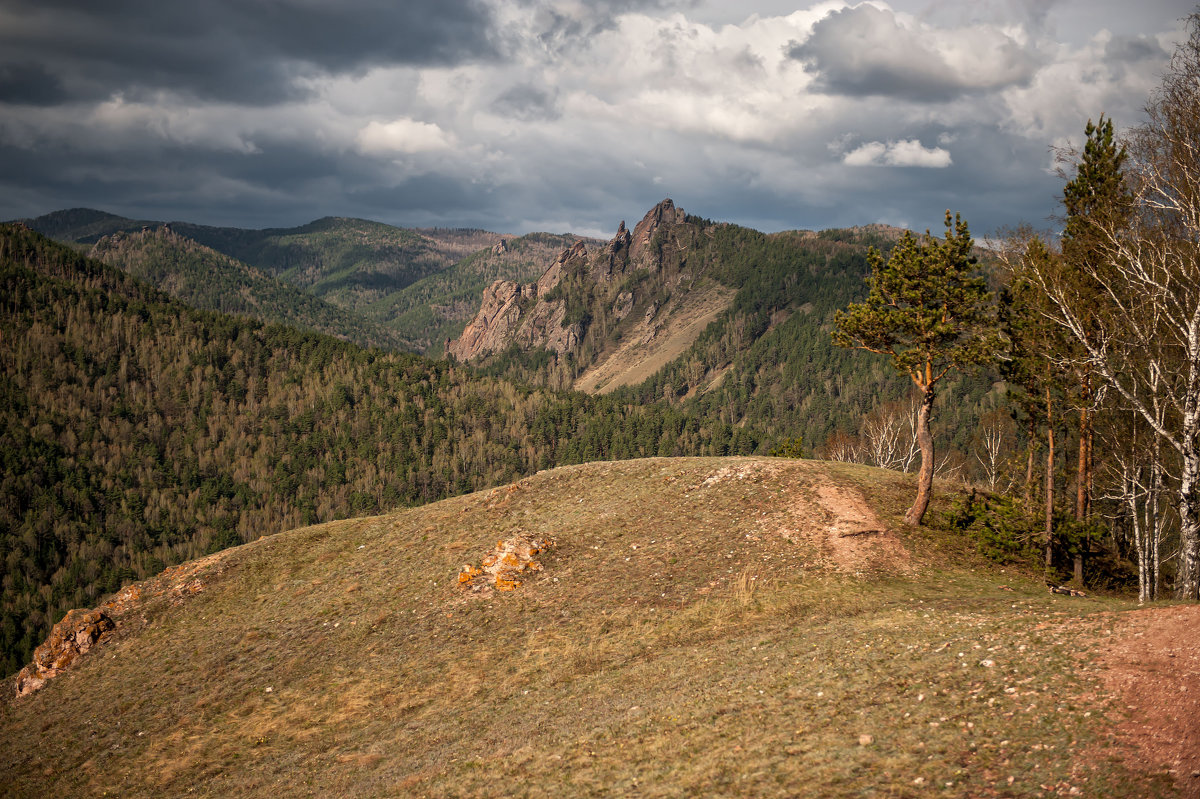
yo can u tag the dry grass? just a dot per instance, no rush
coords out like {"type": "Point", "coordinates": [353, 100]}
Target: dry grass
{"type": "Point", "coordinates": [675, 644]}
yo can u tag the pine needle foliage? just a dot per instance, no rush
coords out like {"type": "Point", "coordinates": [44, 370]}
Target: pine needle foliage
{"type": "Point", "coordinates": [931, 312]}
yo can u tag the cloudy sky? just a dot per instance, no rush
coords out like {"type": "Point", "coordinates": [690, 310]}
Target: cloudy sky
{"type": "Point", "coordinates": [563, 115]}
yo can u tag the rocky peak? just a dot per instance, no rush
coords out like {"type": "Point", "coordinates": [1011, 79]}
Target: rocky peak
{"type": "Point", "coordinates": [665, 213]}
{"type": "Point", "coordinates": [535, 315]}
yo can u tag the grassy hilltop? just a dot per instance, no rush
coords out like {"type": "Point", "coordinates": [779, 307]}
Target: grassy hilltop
{"type": "Point", "coordinates": [702, 626]}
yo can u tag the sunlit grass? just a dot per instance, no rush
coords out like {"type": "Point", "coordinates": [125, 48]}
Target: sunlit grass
{"type": "Point", "coordinates": [673, 645]}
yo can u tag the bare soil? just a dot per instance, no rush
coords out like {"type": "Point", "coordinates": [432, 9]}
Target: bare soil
{"type": "Point", "coordinates": [1153, 669]}
{"type": "Point", "coordinates": [857, 540]}
{"type": "Point", "coordinates": [650, 346]}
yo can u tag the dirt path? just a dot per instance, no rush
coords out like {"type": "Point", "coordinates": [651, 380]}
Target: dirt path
{"type": "Point", "coordinates": [1153, 670]}
{"type": "Point", "coordinates": [855, 538]}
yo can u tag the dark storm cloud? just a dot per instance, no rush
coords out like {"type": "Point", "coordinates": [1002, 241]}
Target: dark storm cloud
{"type": "Point", "coordinates": [1134, 49]}
{"type": "Point", "coordinates": [419, 193]}
{"type": "Point", "coordinates": [865, 51]}
{"type": "Point", "coordinates": [29, 84]}
{"type": "Point", "coordinates": [168, 183]}
{"type": "Point", "coordinates": [246, 51]}
{"type": "Point", "coordinates": [163, 111]}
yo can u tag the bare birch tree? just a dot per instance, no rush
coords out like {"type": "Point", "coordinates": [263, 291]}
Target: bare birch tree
{"type": "Point", "coordinates": [1137, 477]}
{"type": "Point", "coordinates": [1135, 311]}
{"type": "Point", "coordinates": [889, 435]}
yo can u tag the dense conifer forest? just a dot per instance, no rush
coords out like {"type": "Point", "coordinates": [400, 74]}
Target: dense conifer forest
{"type": "Point", "coordinates": [213, 281]}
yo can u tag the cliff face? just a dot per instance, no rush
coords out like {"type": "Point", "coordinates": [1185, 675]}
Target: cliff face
{"type": "Point", "coordinates": [582, 289]}
{"type": "Point", "coordinates": [526, 314]}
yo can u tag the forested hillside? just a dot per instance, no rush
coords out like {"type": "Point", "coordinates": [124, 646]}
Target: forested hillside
{"type": "Point", "coordinates": [769, 360]}
{"type": "Point", "coordinates": [209, 280]}
{"type": "Point", "coordinates": [767, 364]}
{"type": "Point", "coordinates": [356, 265]}
{"type": "Point", "coordinates": [348, 262]}
{"type": "Point", "coordinates": [136, 432]}
{"type": "Point", "coordinates": [435, 308]}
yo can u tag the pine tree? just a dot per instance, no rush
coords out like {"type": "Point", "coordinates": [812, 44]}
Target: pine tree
{"type": "Point", "coordinates": [931, 313]}
{"type": "Point", "coordinates": [1035, 380]}
{"type": "Point", "coordinates": [1095, 199]}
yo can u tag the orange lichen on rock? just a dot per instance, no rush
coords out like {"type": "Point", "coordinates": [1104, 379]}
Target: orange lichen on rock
{"type": "Point", "coordinates": [72, 637]}
{"type": "Point", "coordinates": [500, 568]}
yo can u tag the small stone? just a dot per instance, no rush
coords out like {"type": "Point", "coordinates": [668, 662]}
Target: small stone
{"type": "Point", "coordinates": [866, 740]}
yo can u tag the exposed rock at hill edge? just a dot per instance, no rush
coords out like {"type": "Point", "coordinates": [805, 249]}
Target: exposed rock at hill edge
{"type": "Point", "coordinates": [72, 637]}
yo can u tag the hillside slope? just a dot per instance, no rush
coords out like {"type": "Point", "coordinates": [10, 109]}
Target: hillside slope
{"type": "Point", "coordinates": [718, 627]}
{"type": "Point", "coordinates": [206, 279]}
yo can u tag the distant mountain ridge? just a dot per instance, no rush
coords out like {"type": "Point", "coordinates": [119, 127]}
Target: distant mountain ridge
{"type": "Point", "coordinates": [417, 286]}
{"type": "Point", "coordinates": [209, 280]}
{"type": "Point", "coordinates": [679, 310]}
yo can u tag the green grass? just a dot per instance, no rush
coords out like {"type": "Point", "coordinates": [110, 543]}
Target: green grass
{"type": "Point", "coordinates": [716, 658]}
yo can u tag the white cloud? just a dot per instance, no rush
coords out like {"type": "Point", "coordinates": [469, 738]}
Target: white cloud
{"type": "Point", "coordinates": [403, 136]}
{"type": "Point", "coordinates": [868, 51]}
{"type": "Point", "coordinates": [906, 152]}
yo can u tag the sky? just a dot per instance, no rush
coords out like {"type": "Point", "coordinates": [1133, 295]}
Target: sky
{"type": "Point", "coordinates": [564, 115]}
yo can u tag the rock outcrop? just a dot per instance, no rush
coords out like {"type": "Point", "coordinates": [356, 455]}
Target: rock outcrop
{"type": "Point", "coordinates": [535, 315]}
{"type": "Point", "coordinates": [503, 567]}
{"type": "Point", "coordinates": [72, 637]}
{"type": "Point", "coordinates": [80, 630]}
{"type": "Point", "coordinates": [495, 324]}
{"type": "Point", "coordinates": [525, 314]}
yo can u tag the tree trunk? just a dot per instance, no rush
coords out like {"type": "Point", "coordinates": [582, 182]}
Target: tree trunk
{"type": "Point", "coordinates": [1083, 479]}
{"type": "Point", "coordinates": [1156, 482]}
{"type": "Point", "coordinates": [1188, 584]}
{"type": "Point", "coordinates": [925, 476]}
{"type": "Point", "coordinates": [1029, 468]}
{"type": "Point", "coordinates": [1049, 537]}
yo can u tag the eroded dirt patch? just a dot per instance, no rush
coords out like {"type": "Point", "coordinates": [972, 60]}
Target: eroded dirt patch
{"type": "Point", "coordinates": [1152, 667]}
{"type": "Point", "coordinates": [654, 343]}
{"type": "Point", "coordinates": [855, 537]}
{"type": "Point", "coordinates": [833, 519]}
